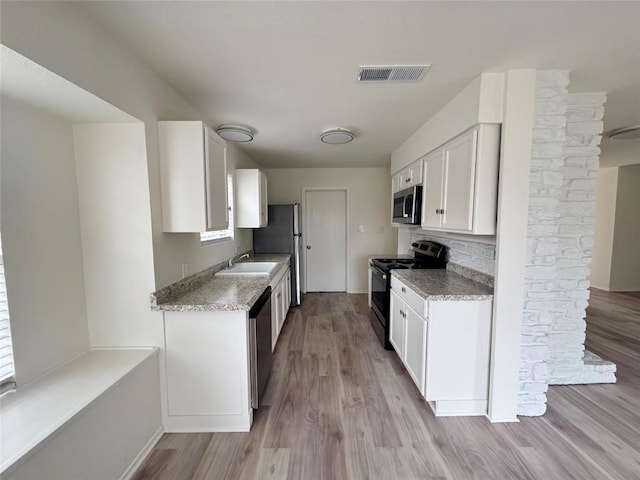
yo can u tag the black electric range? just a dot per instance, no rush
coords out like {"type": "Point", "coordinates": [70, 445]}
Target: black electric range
{"type": "Point", "coordinates": [427, 255]}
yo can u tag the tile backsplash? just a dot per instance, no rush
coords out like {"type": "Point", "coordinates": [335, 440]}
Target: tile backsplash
{"type": "Point", "coordinates": [473, 255]}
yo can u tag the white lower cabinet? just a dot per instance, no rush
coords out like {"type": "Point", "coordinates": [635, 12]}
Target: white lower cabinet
{"type": "Point", "coordinates": [408, 335]}
{"type": "Point", "coordinates": [280, 302]}
{"type": "Point", "coordinates": [206, 372]}
{"type": "Point", "coordinates": [396, 327]}
{"type": "Point", "coordinates": [415, 347]}
{"type": "Point", "coordinates": [444, 345]}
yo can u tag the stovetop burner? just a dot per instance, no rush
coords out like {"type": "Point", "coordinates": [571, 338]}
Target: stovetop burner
{"type": "Point", "coordinates": [406, 261]}
{"type": "Point", "coordinates": [398, 265]}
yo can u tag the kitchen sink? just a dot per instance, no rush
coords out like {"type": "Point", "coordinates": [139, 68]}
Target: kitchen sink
{"type": "Point", "coordinates": [249, 268]}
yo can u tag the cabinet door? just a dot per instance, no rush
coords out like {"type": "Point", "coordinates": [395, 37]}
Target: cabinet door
{"type": "Point", "coordinates": [432, 189]}
{"type": "Point", "coordinates": [415, 349]}
{"type": "Point", "coordinates": [395, 183]}
{"type": "Point", "coordinates": [280, 316]}
{"type": "Point", "coordinates": [274, 319]}
{"type": "Point", "coordinates": [396, 326]}
{"type": "Point", "coordinates": [287, 293]}
{"type": "Point", "coordinates": [251, 198]}
{"type": "Point", "coordinates": [282, 298]}
{"type": "Point", "coordinates": [264, 211]}
{"type": "Point", "coordinates": [414, 174]}
{"type": "Point", "coordinates": [460, 156]}
{"type": "Point", "coordinates": [216, 182]}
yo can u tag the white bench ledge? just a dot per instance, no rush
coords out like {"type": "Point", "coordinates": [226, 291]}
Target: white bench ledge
{"type": "Point", "coordinates": [33, 413]}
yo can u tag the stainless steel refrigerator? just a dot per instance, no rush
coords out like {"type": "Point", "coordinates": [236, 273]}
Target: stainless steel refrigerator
{"type": "Point", "coordinates": [283, 235]}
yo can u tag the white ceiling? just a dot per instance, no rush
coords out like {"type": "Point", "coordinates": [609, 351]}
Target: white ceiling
{"type": "Point", "coordinates": [287, 69]}
{"type": "Point", "coordinates": [30, 83]}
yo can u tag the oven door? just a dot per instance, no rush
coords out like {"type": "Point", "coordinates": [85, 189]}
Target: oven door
{"type": "Point", "coordinates": [379, 294]}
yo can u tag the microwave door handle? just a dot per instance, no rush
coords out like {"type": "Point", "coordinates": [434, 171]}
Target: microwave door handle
{"type": "Point", "coordinates": [404, 207]}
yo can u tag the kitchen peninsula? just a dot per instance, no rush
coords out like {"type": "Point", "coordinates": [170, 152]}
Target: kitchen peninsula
{"type": "Point", "coordinates": [207, 351]}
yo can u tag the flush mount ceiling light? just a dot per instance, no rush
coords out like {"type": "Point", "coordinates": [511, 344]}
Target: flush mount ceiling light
{"type": "Point", "coordinates": [235, 133]}
{"type": "Point", "coordinates": [336, 136]}
{"type": "Point", "coordinates": [625, 133]}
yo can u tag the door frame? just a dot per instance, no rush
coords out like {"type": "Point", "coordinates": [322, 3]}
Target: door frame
{"type": "Point", "coordinates": [347, 222]}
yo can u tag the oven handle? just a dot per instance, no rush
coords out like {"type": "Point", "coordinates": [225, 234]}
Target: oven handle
{"type": "Point", "coordinates": [375, 269]}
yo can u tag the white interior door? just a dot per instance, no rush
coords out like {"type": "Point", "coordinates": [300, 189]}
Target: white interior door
{"type": "Point", "coordinates": [326, 240]}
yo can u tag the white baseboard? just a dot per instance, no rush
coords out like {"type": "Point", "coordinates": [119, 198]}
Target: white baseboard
{"type": "Point", "coordinates": [141, 457]}
{"type": "Point", "coordinates": [503, 420]}
{"type": "Point", "coordinates": [216, 429]}
{"type": "Point", "coordinates": [458, 408]}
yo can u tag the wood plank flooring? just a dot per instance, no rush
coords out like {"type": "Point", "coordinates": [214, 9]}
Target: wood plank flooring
{"type": "Point", "coordinates": [338, 406]}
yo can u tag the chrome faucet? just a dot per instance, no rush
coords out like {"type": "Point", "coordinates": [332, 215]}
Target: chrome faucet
{"type": "Point", "coordinates": [232, 262]}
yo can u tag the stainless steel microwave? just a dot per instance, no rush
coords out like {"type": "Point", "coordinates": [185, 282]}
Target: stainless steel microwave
{"type": "Point", "coordinates": [407, 206]}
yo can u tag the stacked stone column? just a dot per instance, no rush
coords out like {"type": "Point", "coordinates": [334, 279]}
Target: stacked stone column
{"type": "Point", "coordinates": [564, 167]}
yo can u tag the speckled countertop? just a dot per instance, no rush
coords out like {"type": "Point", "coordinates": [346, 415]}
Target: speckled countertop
{"type": "Point", "coordinates": [443, 285]}
{"type": "Point", "coordinates": [206, 292]}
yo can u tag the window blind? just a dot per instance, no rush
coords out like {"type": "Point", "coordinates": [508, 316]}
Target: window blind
{"type": "Point", "coordinates": [226, 234]}
{"type": "Point", "coordinates": [7, 372]}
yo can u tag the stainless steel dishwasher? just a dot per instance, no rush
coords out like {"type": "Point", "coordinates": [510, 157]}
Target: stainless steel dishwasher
{"type": "Point", "coordinates": [260, 345]}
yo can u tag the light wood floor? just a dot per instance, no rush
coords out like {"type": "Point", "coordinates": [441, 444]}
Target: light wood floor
{"type": "Point", "coordinates": [338, 406]}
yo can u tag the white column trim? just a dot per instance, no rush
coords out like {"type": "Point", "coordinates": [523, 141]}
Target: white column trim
{"type": "Point", "coordinates": [511, 244]}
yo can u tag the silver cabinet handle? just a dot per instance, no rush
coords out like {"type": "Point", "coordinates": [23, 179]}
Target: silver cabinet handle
{"type": "Point", "coordinates": [404, 290]}
{"type": "Point", "coordinates": [401, 313]}
{"type": "Point", "coordinates": [437, 211]}
{"type": "Point", "coordinates": [442, 211]}
{"type": "Point", "coordinates": [308, 247]}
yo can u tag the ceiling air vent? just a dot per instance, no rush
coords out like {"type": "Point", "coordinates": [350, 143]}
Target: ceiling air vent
{"type": "Point", "coordinates": [392, 73]}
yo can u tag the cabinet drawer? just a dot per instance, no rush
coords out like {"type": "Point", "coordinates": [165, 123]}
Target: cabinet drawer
{"type": "Point", "coordinates": [412, 299]}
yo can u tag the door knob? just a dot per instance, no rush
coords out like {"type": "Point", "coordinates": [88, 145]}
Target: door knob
{"type": "Point", "coordinates": [308, 247]}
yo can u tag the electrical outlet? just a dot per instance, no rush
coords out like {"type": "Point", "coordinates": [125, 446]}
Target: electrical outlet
{"type": "Point", "coordinates": [185, 270]}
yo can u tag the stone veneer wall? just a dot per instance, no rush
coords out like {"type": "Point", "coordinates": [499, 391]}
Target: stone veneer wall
{"type": "Point", "coordinates": [564, 166]}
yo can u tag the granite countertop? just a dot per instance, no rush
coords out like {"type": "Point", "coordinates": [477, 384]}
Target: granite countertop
{"type": "Point", "coordinates": [206, 292]}
{"type": "Point", "coordinates": [443, 284]}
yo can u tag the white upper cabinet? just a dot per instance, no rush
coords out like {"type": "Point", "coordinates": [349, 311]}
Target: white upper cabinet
{"type": "Point", "coordinates": [408, 177]}
{"type": "Point", "coordinates": [432, 189]}
{"type": "Point", "coordinates": [395, 183]}
{"type": "Point", "coordinates": [251, 198]}
{"type": "Point", "coordinates": [461, 183]}
{"type": "Point", "coordinates": [193, 170]}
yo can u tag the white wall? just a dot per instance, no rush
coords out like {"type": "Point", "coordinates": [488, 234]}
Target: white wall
{"type": "Point", "coordinates": [369, 205]}
{"type": "Point", "coordinates": [41, 240]}
{"type": "Point", "coordinates": [115, 225]}
{"type": "Point", "coordinates": [625, 263]}
{"type": "Point", "coordinates": [616, 246]}
{"type": "Point", "coordinates": [479, 102]}
{"type": "Point", "coordinates": [604, 227]}
{"type": "Point", "coordinates": [63, 39]}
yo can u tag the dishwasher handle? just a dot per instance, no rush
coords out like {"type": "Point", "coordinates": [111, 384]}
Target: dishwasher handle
{"type": "Point", "coordinates": [259, 303]}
